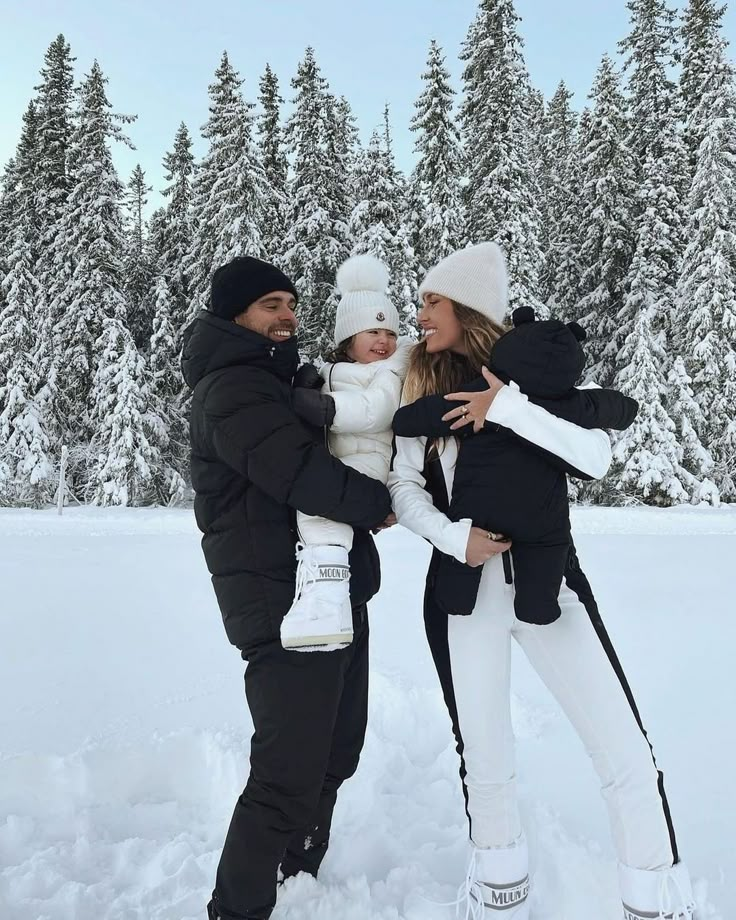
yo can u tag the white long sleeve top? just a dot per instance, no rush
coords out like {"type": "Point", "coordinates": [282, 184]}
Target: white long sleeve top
{"type": "Point", "coordinates": [588, 451]}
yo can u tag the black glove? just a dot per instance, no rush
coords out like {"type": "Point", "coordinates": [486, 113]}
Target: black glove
{"type": "Point", "coordinates": [313, 407]}
{"type": "Point", "coordinates": [308, 376]}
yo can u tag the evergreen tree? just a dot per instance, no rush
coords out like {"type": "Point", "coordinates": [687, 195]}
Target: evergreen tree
{"type": "Point", "coordinates": [440, 225]}
{"type": "Point", "coordinates": [170, 229]}
{"type": "Point", "coordinates": [706, 294]}
{"type": "Point", "coordinates": [348, 142]}
{"type": "Point", "coordinates": [26, 468]}
{"type": "Point", "coordinates": [88, 252]}
{"type": "Point", "coordinates": [560, 183]}
{"type": "Point", "coordinates": [375, 229]}
{"type": "Point", "coordinates": [122, 459]}
{"type": "Point", "coordinates": [648, 459]}
{"type": "Point", "coordinates": [317, 238]}
{"type": "Point", "coordinates": [701, 33]}
{"type": "Point", "coordinates": [165, 414]}
{"type": "Point", "coordinates": [655, 128]}
{"type": "Point", "coordinates": [502, 194]}
{"type": "Point", "coordinates": [26, 179]}
{"type": "Point", "coordinates": [688, 418]}
{"type": "Point", "coordinates": [230, 187]}
{"type": "Point", "coordinates": [275, 164]}
{"type": "Point", "coordinates": [650, 50]}
{"type": "Point", "coordinates": [137, 265]}
{"type": "Point", "coordinates": [7, 220]}
{"type": "Point", "coordinates": [55, 111]}
{"type": "Point", "coordinates": [606, 221]}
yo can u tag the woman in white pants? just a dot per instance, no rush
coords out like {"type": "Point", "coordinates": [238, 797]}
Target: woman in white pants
{"type": "Point", "coordinates": [464, 303]}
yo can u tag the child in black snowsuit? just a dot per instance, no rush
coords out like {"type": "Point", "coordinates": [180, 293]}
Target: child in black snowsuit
{"type": "Point", "coordinates": [509, 486]}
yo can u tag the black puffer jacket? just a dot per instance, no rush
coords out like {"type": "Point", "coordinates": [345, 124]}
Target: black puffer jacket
{"type": "Point", "coordinates": [253, 464]}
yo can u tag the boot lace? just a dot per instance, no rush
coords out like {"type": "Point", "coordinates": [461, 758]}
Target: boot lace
{"type": "Point", "coordinates": [307, 571]}
{"type": "Point", "coordinates": [673, 899]}
{"type": "Point", "coordinates": [469, 895]}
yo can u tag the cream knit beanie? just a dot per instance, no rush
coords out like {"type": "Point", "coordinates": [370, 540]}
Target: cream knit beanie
{"type": "Point", "coordinates": [364, 305]}
{"type": "Point", "coordinates": [474, 277]}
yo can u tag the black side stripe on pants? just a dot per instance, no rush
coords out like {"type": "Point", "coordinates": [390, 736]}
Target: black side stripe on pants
{"type": "Point", "coordinates": [577, 582]}
{"type": "Point", "coordinates": [435, 625]}
{"type": "Point", "coordinates": [436, 620]}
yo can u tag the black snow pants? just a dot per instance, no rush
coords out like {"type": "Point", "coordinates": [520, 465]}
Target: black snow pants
{"type": "Point", "coordinates": [309, 713]}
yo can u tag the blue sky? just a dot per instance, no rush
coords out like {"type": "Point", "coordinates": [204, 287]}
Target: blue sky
{"type": "Point", "coordinates": [160, 55]}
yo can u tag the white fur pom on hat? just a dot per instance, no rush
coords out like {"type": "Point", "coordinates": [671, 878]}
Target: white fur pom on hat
{"type": "Point", "coordinates": [474, 277]}
{"type": "Point", "coordinates": [362, 282]}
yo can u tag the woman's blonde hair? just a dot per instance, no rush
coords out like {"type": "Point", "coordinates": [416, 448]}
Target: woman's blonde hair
{"type": "Point", "coordinates": [446, 371]}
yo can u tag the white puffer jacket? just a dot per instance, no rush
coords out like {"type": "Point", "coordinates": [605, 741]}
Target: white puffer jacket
{"type": "Point", "coordinates": [366, 399]}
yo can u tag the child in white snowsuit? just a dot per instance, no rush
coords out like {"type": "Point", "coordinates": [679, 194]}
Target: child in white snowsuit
{"type": "Point", "coordinates": [364, 379]}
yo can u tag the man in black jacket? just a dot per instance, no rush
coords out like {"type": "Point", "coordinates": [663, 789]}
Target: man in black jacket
{"type": "Point", "coordinates": [254, 463]}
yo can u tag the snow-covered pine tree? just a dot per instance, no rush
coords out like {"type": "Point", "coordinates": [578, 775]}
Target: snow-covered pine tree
{"type": "Point", "coordinates": [55, 102]}
{"type": "Point", "coordinates": [502, 193]}
{"type": "Point", "coordinates": [648, 458]}
{"type": "Point", "coordinates": [650, 52]}
{"type": "Point", "coordinates": [701, 30]}
{"type": "Point", "coordinates": [122, 459]}
{"type": "Point", "coordinates": [7, 210]}
{"type": "Point", "coordinates": [375, 228]}
{"type": "Point", "coordinates": [560, 182]}
{"type": "Point", "coordinates": [656, 131]}
{"type": "Point", "coordinates": [403, 264]}
{"type": "Point", "coordinates": [55, 113]}
{"type": "Point", "coordinates": [26, 180]}
{"type": "Point", "coordinates": [688, 418]}
{"type": "Point", "coordinates": [88, 251]}
{"type": "Point", "coordinates": [230, 187]}
{"type": "Point", "coordinates": [705, 315]}
{"type": "Point", "coordinates": [439, 228]}
{"type": "Point", "coordinates": [26, 467]}
{"type": "Point", "coordinates": [165, 415]}
{"type": "Point", "coordinates": [138, 270]}
{"type": "Point", "coordinates": [170, 228]}
{"type": "Point", "coordinates": [536, 110]}
{"type": "Point", "coordinates": [347, 138]}
{"type": "Point", "coordinates": [606, 221]}
{"type": "Point", "coordinates": [275, 164]}
{"type": "Point", "coordinates": [316, 235]}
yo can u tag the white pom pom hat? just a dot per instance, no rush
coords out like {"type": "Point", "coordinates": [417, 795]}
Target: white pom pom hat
{"type": "Point", "coordinates": [362, 282]}
{"type": "Point", "coordinates": [474, 277]}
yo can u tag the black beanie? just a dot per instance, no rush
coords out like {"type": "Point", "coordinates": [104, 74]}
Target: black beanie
{"type": "Point", "coordinates": [241, 282]}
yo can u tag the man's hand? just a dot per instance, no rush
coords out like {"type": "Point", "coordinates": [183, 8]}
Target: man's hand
{"type": "Point", "coordinates": [309, 377]}
{"type": "Point", "coordinates": [480, 547]}
{"type": "Point", "coordinates": [389, 522]}
{"type": "Point", "coordinates": [315, 408]}
{"type": "Point", "coordinates": [476, 404]}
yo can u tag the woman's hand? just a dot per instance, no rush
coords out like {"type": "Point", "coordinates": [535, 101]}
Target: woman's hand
{"type": "Point", "coordinates": [481, 547]}
{"type": "Point", "coordinates": [389, 522]}
{"type": "Point", "coordinates": [476, 404]}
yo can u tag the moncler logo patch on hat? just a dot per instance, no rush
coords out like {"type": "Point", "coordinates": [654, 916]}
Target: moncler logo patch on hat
{"type": "Point", "coordinates": [380, 317]}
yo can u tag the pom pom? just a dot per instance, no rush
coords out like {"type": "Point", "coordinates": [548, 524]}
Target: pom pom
{"type": "Point", "coordinates": [523, 315]}
{"type": "Point", "coordinates": [362, 273]}
{"type": "Point", "coordinates": [577, 330]}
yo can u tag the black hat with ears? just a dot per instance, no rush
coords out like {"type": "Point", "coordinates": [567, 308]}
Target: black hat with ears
{"type": "Point", "coordinates": [544, 357]}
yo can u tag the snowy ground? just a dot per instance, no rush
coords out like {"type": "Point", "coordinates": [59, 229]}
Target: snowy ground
{"type": "Point", "coordinates": [124, 731]}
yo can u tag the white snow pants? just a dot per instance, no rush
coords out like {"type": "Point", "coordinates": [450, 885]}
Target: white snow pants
{"type": "Point", "coordinates": [574, 658]}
